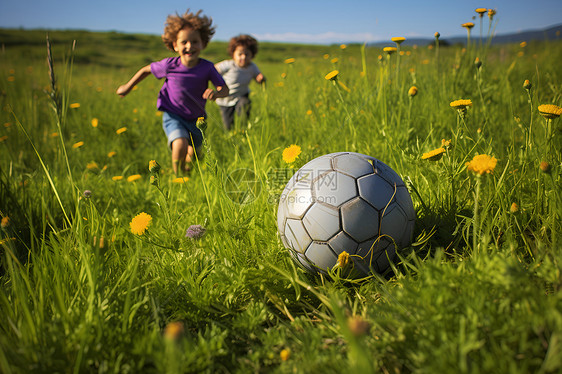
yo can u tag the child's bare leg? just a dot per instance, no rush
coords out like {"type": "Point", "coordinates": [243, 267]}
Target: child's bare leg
{"type": "Point", "coordinates": [179, 154]}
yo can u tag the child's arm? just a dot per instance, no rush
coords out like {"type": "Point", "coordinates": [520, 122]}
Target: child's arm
{"type": "Point", "coordinates": [139, 76]}
{"type": "Point", "coordinates": [221, 91]}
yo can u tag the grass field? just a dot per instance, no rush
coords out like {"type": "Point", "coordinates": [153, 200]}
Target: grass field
{"type": "Point", "coordinates": [479, 290]}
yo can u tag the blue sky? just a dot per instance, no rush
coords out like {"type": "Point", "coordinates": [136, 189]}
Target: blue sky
{"type": "Point", "coordinates": [307, 21]}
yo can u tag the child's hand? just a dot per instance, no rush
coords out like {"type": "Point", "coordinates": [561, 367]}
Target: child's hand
{"type": "Point", "coordinates": [209, 94]}
{"type": "Point", "coordinates": [123, 90]}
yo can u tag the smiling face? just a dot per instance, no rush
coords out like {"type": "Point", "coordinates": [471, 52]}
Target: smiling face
{"type": "Point", "coordinates": [189, 45]}
{"type": "Point", "coordinates": [242, 56]}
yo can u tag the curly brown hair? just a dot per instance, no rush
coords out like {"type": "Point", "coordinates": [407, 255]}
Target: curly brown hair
{"type": "Point", "coordinates": [175, 23]}
{"type": "Point", "coordinates": [245, 41]}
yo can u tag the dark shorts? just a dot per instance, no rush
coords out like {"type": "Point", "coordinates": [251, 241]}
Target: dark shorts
{"type": "Point", "coordinates": [242, 109]}
{"type": "Point", "coordinates": [177, 127]}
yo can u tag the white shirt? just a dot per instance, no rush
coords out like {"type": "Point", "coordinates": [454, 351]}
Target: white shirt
{"type": "Point", "coordinates": [237, 79]}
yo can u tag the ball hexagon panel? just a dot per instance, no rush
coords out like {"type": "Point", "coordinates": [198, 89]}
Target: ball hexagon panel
{"type": "Point", "coordinates": [376, 252]}
{"type": "Point", "coordinates": [375, 190]}
{"type": "Point", "coordinates": [342, 242]}
{"type": "Point", "coordinates": [405, 201]}
{"type": "Point", "coordinates": [395, 224]}
{"type": "Point", "coordinates": [322, 222]}
{"type": "Point", "coordinates": [352, 165]}
{"type": "Point", "coordinates": [315, 168]}
{"type": "Point", "coordinates": [334, 188]}
{"type": "Point", "coordinates": [321, 255]}
{"type": "Point", "coordinates": [296, 235]}
{"type": "Point", "coordinates": [298, 200]}
{"type": "Point", "coordinates": [359, 220]}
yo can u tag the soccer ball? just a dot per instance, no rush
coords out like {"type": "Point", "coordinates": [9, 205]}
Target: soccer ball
{"type": "Point", "coordinates": [345, 202]}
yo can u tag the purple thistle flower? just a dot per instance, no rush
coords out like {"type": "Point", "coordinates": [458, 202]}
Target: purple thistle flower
{"type": "Point", "coordinates": [195, 232]}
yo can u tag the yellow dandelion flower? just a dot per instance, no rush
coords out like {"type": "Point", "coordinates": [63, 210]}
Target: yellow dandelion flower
{"type": "Point", "coordinates": [54, 134]}
{"type": "Point", "coordinates": [468, 25]}
{"type": "Point", "coordinates": [279, 84]}
{"type": "Point", "coordinates": [523, 44]}
{"type": "Point", "coordinates": [482, 164]}
{"type": "Point", "coordinates": [95, 122]}
{"type": "Point", "coordinates": [77, 144]}
{"type": "Point", "coordinates": [413, 91]}
{"type": "Point", "coordinates": [140, 223]}
{"type": "Point", "coordinates": [285, 354]}
{"type": "Point", "coordinates": [153, 166]}
{"type": "Point", "coordinates": [134, 177]}
{"type": "Point", "coordinates": [309, 112]}
{"type": "Point", "coordinates": [290, 60]}
{"type": "Point", "coordinates": [434, 155]}
{"type": "Point", "coordinates": [75, 105]}
{"type": "Point", "coordinates": [92, 165]}
{"type": "Point", "coordinates": [460, 104]}
{"type": "Point", "coordinates": [291, 153]}
{"type": "Point", "coordinates": [121, 130]}
{"type": "Point", "coordinates": [158, 113]}
{"type": "Point", "coordinates": [173, 330]}
{"type": "Point", "coordinates": [398, 39]}
{"type": "Point", "coordinates": [343, 259]}
{"type": "Point", "coordinates": [117, 178]}
{"type": "Point", "coordinates": [326, 56]}
{"type": "Point", "coordinates": [7, 124]}
{"type": "Point", "coordinates": [180, 180]}
{"type": "Point", "coordinates": [550, 111]}
{"type": "Point", "coordinates": [514, 208]}
{"type": "Point", "coordinates": [389, 50]}
{"type": "Point", "coordinates": [332, 75]}
{"type": "Point", "coordinates": [111, 154]}
{"type": "Point", "coordinates": [5, 222]}
{"type": "Point", "coordinates": [481, 11]}
{"type": "Point", "coordinates": [334, 60]}
{"type": "Point", "coordinates": [343, 46]}
{"type": "Point", "coordinates": [491, 13]}
{"type": "Point", "coordinates": [3, 138]}
{"type": "Point", "coordinates": [11, 78]}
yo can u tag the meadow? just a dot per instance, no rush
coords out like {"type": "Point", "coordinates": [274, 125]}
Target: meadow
{"type": "Point", "coordinates": [84, 291]}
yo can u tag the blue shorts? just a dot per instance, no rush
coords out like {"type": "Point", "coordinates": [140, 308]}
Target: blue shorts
{"type": "Point", "coordinates": [177, 127]}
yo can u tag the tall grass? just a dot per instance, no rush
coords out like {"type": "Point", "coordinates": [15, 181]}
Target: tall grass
{"type": "Point", "coordinates": [82, 293]}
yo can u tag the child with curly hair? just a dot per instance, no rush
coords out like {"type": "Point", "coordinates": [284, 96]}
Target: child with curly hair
{"type": "Point", "coordinates": [185, 91]}
{"type": "Point", "coordinates": [238, 73]}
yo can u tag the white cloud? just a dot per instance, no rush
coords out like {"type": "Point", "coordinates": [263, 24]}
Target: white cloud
{"type": "Point", "coordinates": [323, 38]}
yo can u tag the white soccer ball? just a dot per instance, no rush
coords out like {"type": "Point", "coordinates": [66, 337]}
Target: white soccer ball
{"type": "Point", "coordinates": [345, 202]}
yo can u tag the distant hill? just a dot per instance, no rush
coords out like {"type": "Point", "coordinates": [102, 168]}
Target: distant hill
{"type": "Point", "coordinates": [528, 35]}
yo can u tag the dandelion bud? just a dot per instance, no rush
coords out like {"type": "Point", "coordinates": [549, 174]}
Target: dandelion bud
{"type": "Point", "coordinates": [87, 194]}
{"type": "Point", "coordinates": [527, 84]}
{"type": "Point", "coordinates": [358, 326]}
{"type": "Point", "coordinates": [154, 180]}
{"type": "Point", "coordinates": [477, 63]}
{"type": "Point", "coordinates": [545, 167]}
{"type": "Point", "coordinates": [153, 166]}
{"type": "Point", "coordinates": [491, 13]}
{"type": "Point", "coordinates": [413, 91]}
{"type": "Point", "coordinates": [437, 35]}
{"type": "Point", "coordinates": [201, 123]}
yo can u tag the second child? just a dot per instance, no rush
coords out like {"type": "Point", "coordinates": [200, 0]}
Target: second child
{"type": "Point", "coordinates": [238, 73]}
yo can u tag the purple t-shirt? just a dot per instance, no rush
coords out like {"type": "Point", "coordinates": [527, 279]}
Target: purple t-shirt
{"type": "Point", "coordinates": [182, 92]}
